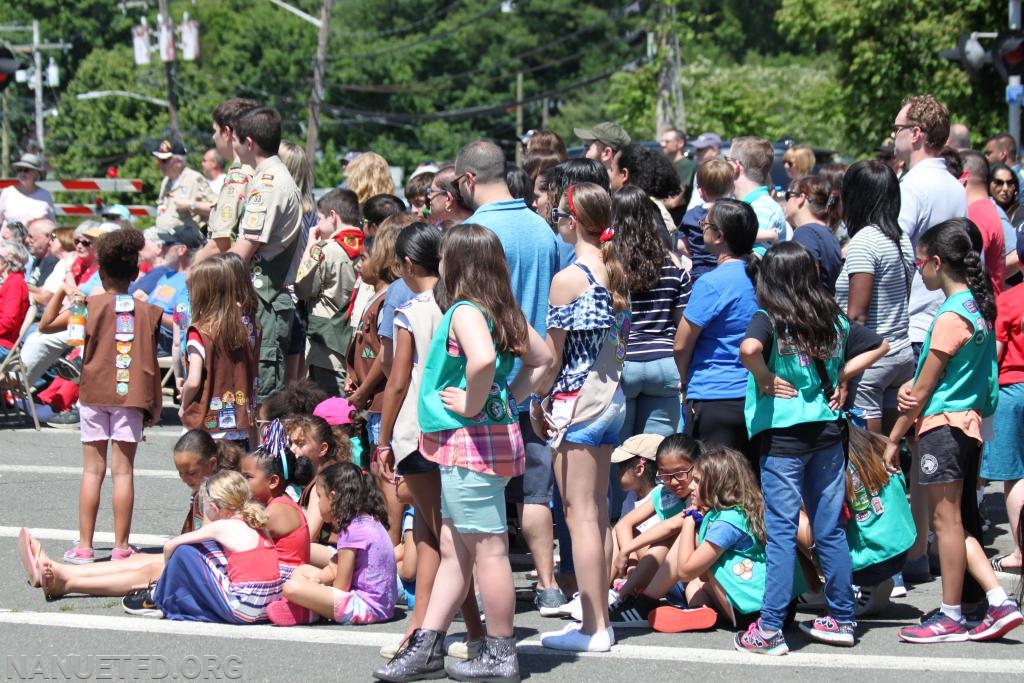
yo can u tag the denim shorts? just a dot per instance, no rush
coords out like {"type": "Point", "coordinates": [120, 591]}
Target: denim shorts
{"type": "Point", "coordinates": [475, 502]}
{"type": "Point", "coordinates": [876, 388]}
{"type": "Point", "coordinates": [602, 430]}
{"type": "Point", "coordinates": [373, 428]}
{"type": "Point", "coordinates": [415, 463]}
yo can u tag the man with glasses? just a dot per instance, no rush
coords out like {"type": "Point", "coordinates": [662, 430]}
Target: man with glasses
{"type": "Point", "coordinates": [532, 255]}
{"type": "Point", "coordinates": [929, 194]}
{"type": "Point", "coordinates": [185, 195]}
{"type": "Point", "coordinates": [602, 141]}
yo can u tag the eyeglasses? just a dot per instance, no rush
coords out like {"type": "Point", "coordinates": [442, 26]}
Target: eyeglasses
{"type": "Point", "coordinates": [921, 263]}
{"type": "Point", "coordinates": [793, 193]}
{"type": "Point", "coordinates": [433, 192]}
{"type": "Point", "coordinates": [679, 476]}
{"type": "Point", "coordinates": [557, 215]}
{"type": "Point", "coordinates": [84, 243]}
{"type": "Point", "coordinates": [705, 224]}
{"type": "Point", "coordinates": [458, 179]}
{"type": "Point", "coordinates": [899, 127]}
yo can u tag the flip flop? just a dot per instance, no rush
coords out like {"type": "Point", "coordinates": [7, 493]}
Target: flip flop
{"type": "Point", "coordinates": [42, 581]}
{"type": "Point", "coordinates": [28, 558]}
{"type": "Point", "coordinates": [997, 565]}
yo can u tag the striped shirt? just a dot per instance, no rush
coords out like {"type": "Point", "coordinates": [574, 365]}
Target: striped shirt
{"type": "Point", "coordinates": [496, 450]}
{"type": "Point", "coordinates": [871, 252]}
{"type": "Point", "coordinates": [655, 313]}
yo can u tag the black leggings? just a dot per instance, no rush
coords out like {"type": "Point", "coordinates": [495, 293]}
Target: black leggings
{"type": "Point", "coordinates": [721, 422]}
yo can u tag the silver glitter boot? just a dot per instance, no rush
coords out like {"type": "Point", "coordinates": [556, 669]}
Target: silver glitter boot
{"type": "Point", "coordinates": [422, 658]}
{"type": "Point", "coordinates": [498, 663]}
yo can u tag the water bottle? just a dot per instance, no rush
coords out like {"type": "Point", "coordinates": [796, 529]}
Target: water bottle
{"type": "Point", "coordinates": [76, 323]}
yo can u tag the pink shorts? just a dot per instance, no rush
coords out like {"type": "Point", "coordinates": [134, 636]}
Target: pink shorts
{"type": "Point", "coordinates": [99, 423]}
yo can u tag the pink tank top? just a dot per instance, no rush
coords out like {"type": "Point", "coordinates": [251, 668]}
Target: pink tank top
{"type": "Point", "coordinates": [258, 564]}
{"type": "Point", "coordinates": [293, 548]}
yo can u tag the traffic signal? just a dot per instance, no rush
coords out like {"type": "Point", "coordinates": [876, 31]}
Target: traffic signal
{"type": "Point", "coordinates": [1007, 53]}
{"type": "Point", "coordinates": [969, 54]}
{"type": "Point", "coordinates": [8, 66]}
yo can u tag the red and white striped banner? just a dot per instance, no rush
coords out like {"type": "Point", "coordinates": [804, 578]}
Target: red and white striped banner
{"type": "Point", "coordinates": [84, 185]}
{"type": "Point", "coordinates": [90, 210]}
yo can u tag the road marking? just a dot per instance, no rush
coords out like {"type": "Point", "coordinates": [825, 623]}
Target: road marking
{"type": "Point", "coordinates": [72, 535]}
{"type": "Point", "coordinates": [327, 635]}
{"type": "Point", "coordinates": [77, 471]}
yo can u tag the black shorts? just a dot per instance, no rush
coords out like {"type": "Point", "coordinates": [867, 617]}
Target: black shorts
{"type": "Point", "coordinates": [946, 455]}
{"type": "Point", "coordinates": [415, 463]}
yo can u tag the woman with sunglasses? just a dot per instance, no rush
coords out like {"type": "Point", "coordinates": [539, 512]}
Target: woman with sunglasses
{"type": "Point", "coordinates": [813, 209]}
{"type": "Point", "coordinates": [25, 201]}
{"type": "Point", "coordinates": [1004, 186]}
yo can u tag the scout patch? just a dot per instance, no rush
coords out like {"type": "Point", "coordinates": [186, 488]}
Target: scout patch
{"type": "Point", "coordinates": [121, 375]}
{"type": "Point", "coordinates": [237, 178]}
{"type": "Point", "coordinates": [316, 253]}
{"type": "Point", "coordinates": [121, 388]}
{"type": "Point", "coordinates": [971, 306]}
{"type": "Point", "coordinates": [254, 199]}
{"type": "Point", "coordinates": [253, 222]}
{"type": "Point", "coordinates": [124, 303]}
{"type": "Point", "coordinates": [239, 399]}
{"type": "Point", "coordinates": [122, 362]}
{"type": "Point", "coordinates": [216, 403]}
{"type": "Point", "coordinates": [123, 347]}
{"type": "Point", "coordinates": [229, 398]}
{"type": "Point", "coordinates": [125, 329]}
{"type": "Point", "coordinates": [351, 241]}
{"type": "Point", "coordinates": [226, 418]}
{"type": "Point", "coordinates": [226, 213]}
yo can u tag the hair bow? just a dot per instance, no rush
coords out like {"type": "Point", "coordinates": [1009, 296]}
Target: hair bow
{"type": "Point", "coordinates": [606, 235]}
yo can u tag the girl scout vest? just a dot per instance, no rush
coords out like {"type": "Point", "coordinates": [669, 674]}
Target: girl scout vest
{"type": "Point", "coordinates": [119, 363]}
{"type": "Point", "coordinates": [881, 526]}
{"type": "Point", "coordinates": [444, 370]}
{"type": "Point", "coordinates": [226, 401]}
{"type": "Point", "coordinates": [810, 405]}
{"type": "Point", "coordinates": [741, 573]}
{"type": "Point", "coordinates": [970, 381]}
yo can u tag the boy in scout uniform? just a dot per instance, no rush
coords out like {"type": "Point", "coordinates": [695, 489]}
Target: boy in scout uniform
{"type": "Point", "coordinates": [185, 195]}
{"type": "Point", "coordinates": [325, 280]}
{"type": "Point", "coordinates": [224, 217]}
{"type": "Point", "coordinates": [267, 239]}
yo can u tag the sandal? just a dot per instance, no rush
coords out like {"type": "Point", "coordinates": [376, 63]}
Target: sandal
{"type": "Point", "coordinates": [997, 565]}
{"type": "Point", "coordinates": [42, 581]}
{"type": "Point", "coordinates": [30, 559]}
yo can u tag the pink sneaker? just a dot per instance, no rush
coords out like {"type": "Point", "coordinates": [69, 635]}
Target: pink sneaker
{"type": "Point", "coordinates": [999, 621]}
{"type": "Point", "coordinates": [79, 555]}
{"type": "Point", "coordinates": [123, 553]}
{"type": "Point", "coordinates": [284, 613]}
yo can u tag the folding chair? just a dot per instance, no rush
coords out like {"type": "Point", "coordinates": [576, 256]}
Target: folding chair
{"type": "Point", "coordinates": [13, 373]}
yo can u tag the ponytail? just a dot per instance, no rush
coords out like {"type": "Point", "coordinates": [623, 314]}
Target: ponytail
{"type": "Point", "coordinates": [958, 243]}
{"type": "Point", "coordinates": [981, 286]}
{"type": "Point", "coordinates": [254, 515]}
{"type": "Point", "coordinates": [592, 206]}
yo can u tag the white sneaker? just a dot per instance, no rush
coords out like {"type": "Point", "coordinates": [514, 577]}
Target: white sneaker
{"type": "Point", "coordinates": [570, 639]}
{"type": "Point", "coordinates": [464, 649]}
{"type": "Point", "coordinates": [574, 608]}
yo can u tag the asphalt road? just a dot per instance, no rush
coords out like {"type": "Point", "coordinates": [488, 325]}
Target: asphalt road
{"type": "Point", "coordinates": [84, 638]}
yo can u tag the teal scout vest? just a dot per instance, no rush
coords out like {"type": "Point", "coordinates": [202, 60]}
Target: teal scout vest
{"type": "Point", "coordinates": [970, 381]}
{"type": "Point", "coordinates": [882, 526]}
{"type": "Point", "coordinates": [665, 502]}
{"type": "Point", "coordinates": [741, 573]}
{"type": "Point", "coordinates": [810, 405]}
{"type": "Point", "coordinates": [443, 370]}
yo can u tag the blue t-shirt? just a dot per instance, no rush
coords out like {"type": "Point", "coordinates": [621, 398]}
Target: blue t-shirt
{"type": "Point", "coordinates": [148, 281]}
{"type": "Point", "coordinates": [92, 283]}
{"type": "Point", "coordinates": [566, 254]}
{"type": "Point", "coordinates": [703, 260]}
{"type": "Point", "coordinates": [165, 293]}
{"type": "Point", "coordinates": [398, 294]}
{"type": "Point", "coordinates": [722, 302]}
{"type": "Point", "coordinates": [725, 536]}
{"type": "Point", "coordinates": [824, 246]}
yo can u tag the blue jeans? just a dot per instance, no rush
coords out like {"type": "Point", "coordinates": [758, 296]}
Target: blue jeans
{"type": "Point", "coordinates": [818, 480]}
{"type": "Point", "coordinates": [652, 397]}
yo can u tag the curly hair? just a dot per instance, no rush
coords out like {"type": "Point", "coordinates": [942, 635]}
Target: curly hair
{"type": "Point", "coordinates": [649, 170]}
{"type": "Point", "coordinates": [353, 492]}
{"type": "Point", "coordinates": [117, 252]}
{"type": "Point", "coordinates": [299, 397]}
{"type": "Point", "coordinates": [931, 116]}
{"type": "Point", "coordinates": [368, 175]}
{"type": "Point", "coordinates": [636, 221]}
{"type": "Point", "coordinates": [726, 481]}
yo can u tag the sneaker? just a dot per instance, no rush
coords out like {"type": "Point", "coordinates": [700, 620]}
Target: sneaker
{"type": "Point", "coordinates": [631, 611]}
{"type": "Point", "coordinates": [549, 601]}
{"type": "Point", "coordinates": [939, 628]}
{"type": "Point", "coordinates": [756, 641]}
{"type": "Point", "coordinates": [123, 553]}
{"type": "Point", "coordinates": [899, 588]}
{"type": "Point", "coordinates": [68, 419]}
{"type": "Point", "coordinates": [283, 612]}
{"type": "Point", "coordinates": [669, 619]}
{"type": "Point", "coordinates": [69, 369]}
{"type": "Point", "coordinates": [828, 630]}
{"type": "Point", "coordinates": [874, 600]}
{"type": "Point", "coordinates": [141, 603]}
{"type": "Point", "coordinates": [574, 608]}
{"type": "Point", "coordinates": [998, 621]}
{"type": "Point", "coordinates": [79, 555]}
{"type": "Point", "coordinates": [388, 652]}
{"type": "Point", "coordinates": [917, 570]}
{"type": "Point", "coordinates": [571, 639]}
{"type": "Point", "coordinates": [464, 649]}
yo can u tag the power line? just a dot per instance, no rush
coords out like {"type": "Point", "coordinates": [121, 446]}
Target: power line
{"type": "Point", "coordinates": [397, 31]}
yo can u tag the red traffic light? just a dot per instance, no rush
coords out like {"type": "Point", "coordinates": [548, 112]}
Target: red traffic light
{"type": "Point", "coordinates": [1008, 53]}
{"type": "Point", "coordinates": [111, 171]}
{"type": "Point", "coordinates": [8, 66]}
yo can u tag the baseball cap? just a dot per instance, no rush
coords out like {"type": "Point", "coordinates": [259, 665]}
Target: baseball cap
{"type": "Point", "coordinates": [117, 211]}
{"type": "Point", "coordinates": [168, 148]}
{"type": "Point", "coordinates": [335, 410]}
{"type": "Point", "coordinates": [188, 235]}
{"type": "Point", "coordinates": [642, 445]}
{"type": "Point", "coordinates": [706, 140]}
{"type": "Point", "coordinates": [606, 132]}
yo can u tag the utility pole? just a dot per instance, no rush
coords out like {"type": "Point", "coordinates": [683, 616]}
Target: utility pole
{"type": "Point", "coordinates": [35, 48]}
{"type": "Point", "coordinates": [670, 112]}
{"type": "Point", "coordinates": [169, 72]}
{"type": "Point", "coordinates": [316, 97]}
{"type": "Point", "coordinates": [1014, 81]}
{"type": "Point", "coordinates": [519, 117]}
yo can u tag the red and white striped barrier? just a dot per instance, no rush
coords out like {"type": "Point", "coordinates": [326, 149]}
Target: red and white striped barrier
{"type": "Point", "coordinates": [135, 210]}
{"type": "Point", "coordinates": [84, 185]}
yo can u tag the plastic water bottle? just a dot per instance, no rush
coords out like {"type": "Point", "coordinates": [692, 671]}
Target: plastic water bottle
{"type": "Point", "coordinates": [76, 323]}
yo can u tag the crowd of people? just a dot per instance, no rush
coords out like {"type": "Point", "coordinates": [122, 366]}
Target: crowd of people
{"type": "Point", "coordinates": [802, 391]}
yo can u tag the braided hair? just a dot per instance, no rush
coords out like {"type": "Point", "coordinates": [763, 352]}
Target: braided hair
{"type": "Point", "coordinates": [958, 243]}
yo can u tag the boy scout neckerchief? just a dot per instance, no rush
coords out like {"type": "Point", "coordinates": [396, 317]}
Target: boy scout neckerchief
{"type": "Point", "coordinates": [351, 240]}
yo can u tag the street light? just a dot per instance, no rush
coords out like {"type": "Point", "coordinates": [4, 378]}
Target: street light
{"type": "Point", "coordinates": [97, 94]}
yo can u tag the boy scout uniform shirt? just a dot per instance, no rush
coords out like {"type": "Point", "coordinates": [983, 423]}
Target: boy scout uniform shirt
{"type": "Point", "coordinates": [273, 217]}
{"type": "Point", "coordinates": [325, 281]}
{"type": "Point", "coordinates": [190, 186]}
{"type": "Point", "coordinates": [231, 202]}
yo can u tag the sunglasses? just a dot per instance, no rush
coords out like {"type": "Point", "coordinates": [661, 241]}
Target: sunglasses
{"type": "Point", "coordinates": [557, 215]}
{"type": "Point", "coordinates": [679, 476]}
{"type": "Point", "coordinates": [920, 263]}
{"type": "Point", "coordinates": [793, 193]}
{"type": "Point", "coordinates": [1001, 183]}
{"type": "Point", "coordinates": [84, 243]}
